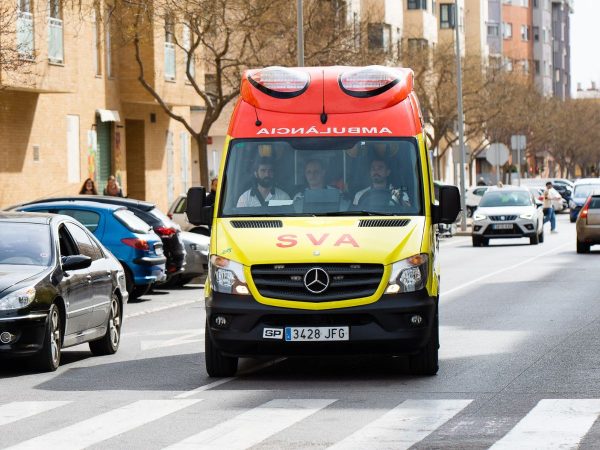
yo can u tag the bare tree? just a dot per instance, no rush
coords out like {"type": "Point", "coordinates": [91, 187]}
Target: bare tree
{"type": "Point", "coordinates": [15, 56]}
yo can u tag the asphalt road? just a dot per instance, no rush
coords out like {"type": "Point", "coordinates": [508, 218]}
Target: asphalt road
{"type": "Point", "coordinates": [519, 368]}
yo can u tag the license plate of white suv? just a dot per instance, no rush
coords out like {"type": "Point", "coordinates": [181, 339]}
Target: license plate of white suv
{"type": "Point", "coordinates": [316, 334]}
{"type": "Point", "coordinates": [503, 226]}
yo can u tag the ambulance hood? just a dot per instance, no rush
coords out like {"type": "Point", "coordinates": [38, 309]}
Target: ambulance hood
{"type": "Point", "coordinates": [381, 240]}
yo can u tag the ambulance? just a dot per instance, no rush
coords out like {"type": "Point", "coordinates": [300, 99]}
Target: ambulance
{"type": "Point", "coordinates": [324, 229]}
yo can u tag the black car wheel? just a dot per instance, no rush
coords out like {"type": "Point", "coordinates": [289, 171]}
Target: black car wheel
{"type": "Point", "coordinates": [48, 358]}
{"type": "Point", "coordinates": [109, 343]}
{"type": "Point", "coordinates": [476, 241]}
{"type": "Point", "coordinates": [426, 361]}
{"type": "Point", "coordinates": [582, 247]}
{"type": "Point", "coordinates": [534, 240]}
{"type": "Point", "coordinates": [217, 364]}
{"type": "Point", "coordinates": [541, 238]}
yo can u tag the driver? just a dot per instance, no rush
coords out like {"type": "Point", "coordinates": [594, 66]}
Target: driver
{"type": "Point", "coordinates": [380, 173]}
{"type": "Point", "coordinates": [263, 189]}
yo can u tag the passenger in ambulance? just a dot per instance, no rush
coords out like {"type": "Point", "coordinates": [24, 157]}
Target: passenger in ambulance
{"type": "Point", "coordinates": [263, 189]}
{"type": "Point", "coordinates": [380, 192]}
{"type": "Point", "coordinates": [316, 196]}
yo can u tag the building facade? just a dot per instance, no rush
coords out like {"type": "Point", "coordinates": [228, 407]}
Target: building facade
{"type": "Point", "coordinates": [561, 46]}
{"type": "Point", "coordinates": [78, 111]}
{"type": "Point", "coordinates": [542, 46]}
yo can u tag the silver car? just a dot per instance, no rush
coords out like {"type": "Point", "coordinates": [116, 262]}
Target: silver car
{"type": "Point", "coordinates": [509, 212]}
{"type": "Point", "coordinates": [196, 259]}
{"type": "Point", "coordinates": [588, 224]}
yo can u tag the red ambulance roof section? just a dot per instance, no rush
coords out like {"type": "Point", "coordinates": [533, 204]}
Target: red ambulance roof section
{"type": "Point", "coordinates": [324, 90]}
{"type": "Point", "coordinates": [296, 109]}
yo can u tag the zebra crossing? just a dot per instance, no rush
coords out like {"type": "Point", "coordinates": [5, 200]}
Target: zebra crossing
{"type": "Point", "coordinates": [550, 424]}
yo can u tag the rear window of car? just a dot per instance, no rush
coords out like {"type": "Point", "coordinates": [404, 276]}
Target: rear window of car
{"type": "Point", "coordinates": [131, 221]}
{"type": "Point", "coordinates": [584, 190]}
{"type": "Point", "coordinates": [161, 216]}
{"type": "Point", "coordinates": [595, 203]}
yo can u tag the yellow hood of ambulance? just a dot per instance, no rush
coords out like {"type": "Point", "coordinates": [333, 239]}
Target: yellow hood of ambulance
{"type": "Point", "coordinates": [317, 239]}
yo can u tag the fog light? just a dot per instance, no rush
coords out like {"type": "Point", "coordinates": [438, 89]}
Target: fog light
{"type": "Point", "coordinates": [477, 228]}
{"type": "Point", "coordinates": [6, 337]}
{"type": "Point", "coordinates": [416, 320]}
{"type": "Point", "coordinates": [221, 321]}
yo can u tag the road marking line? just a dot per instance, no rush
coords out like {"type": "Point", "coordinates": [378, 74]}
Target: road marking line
{"type": "Point", "coordinates": [404, 426]}
{"type": "Point", "coordinates": [161, 308]}
{"type": "Point", "coordinates": [445, 294]}
{"type": "Point", "coordinates": [250, 370]}
{"type": "Point", "coordinates": [553, 423]}
{"type": "Point", "coordinates": [11, 412]}
{"type": "Point", "coordinates": [254, 426]}
{"type": "Point", "coordinates": [105, 426]}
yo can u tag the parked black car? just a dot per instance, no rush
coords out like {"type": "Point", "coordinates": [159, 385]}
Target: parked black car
{"type": "Point", "coordinates": [169, 231]}
{"type": "Point", "coordinates": [58, 287]}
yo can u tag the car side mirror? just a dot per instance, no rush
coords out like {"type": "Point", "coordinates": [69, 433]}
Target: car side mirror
{"type": "Point", "coordinates": [449, 205]}
{"type": "Point", "coordinates": [196, 198]}
{"type": "Point", "coordinates": [75, 262]}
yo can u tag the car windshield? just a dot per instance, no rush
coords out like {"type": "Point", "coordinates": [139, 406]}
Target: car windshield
{"type": "Point", "coordinates": [505, 198]}
{"type": "Point", "coordinates": [322, 176]}
{"type": "Point", "coordinates": [25, 244]}
{"type": "Point", "coordinates": [585, 190]}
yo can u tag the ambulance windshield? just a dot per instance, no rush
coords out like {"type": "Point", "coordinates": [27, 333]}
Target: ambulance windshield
{"type": "Point", "coordinates": [322, 176]}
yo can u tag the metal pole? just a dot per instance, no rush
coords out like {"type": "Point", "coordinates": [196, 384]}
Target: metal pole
{"type": "Point", "coordinates": [519, 162]}
{"type": "Point", "coordinates": [300, 21]}
{"type": "Point", "coordinates": [461, 131]}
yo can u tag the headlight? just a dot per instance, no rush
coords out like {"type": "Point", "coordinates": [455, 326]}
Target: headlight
{"type": "Point", "coordinates": [572, 204]}
{"type": "Point", "coordinates": [408, 275]}
{"type": "Point", "coordinates": [227, 276]}
{"type": "Point", "coordinates": [17, 299]}
{"type": "Point", "coordinates": [479, 216]}
{"type": "Point", "coordinates": [526, 216]}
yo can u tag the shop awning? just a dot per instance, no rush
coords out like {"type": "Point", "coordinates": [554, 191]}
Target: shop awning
{"type": "Point", "coordinates": [106, 115]}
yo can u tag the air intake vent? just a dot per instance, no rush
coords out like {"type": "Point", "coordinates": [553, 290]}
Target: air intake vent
{"type": "Point", "coordinates": [256, 224]}
{"type": "Point", "coordinates": [383, 223]}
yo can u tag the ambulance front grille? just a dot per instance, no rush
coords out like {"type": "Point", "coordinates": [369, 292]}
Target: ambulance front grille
{"type": "Point", "coordinates": [256, 223]}
{"type": "Point", "coordinates": [346, 281]}
{"type": "Point", "coordinates": [383, 222]}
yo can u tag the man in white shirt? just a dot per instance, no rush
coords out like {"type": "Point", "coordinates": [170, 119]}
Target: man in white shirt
{"type": "Point", "coordinates": [550, 194]}
{"type": "Point", "coordinates": [380, 173]}
{"type": "Point", "coordinates": [264, 189]}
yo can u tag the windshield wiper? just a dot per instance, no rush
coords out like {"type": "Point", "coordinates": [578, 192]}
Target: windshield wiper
{"type": "Point", "coordinates": [355, 213]}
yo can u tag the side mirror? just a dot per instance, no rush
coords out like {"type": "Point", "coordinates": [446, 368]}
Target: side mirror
{"type": "Point", "coordinates": [76, 262]}
{"type": "Point", "coordinates": [449, 205]}
{"type": "Point", "coordinates": [196, 198]}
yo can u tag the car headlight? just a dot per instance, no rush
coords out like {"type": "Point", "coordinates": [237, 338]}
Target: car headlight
{"type": "Point", "coordinates": [572, 204]}
{"type": "Point", "coordinates": [408, 275]}
{"type": "Point", "coordinates": [227, 276]}
{"type": "Point", "coordinates": [479, 216]}
{"type": "Point", "coordinates": [17, 299]}
{"type": "Point", "coordinates": [528, 216]}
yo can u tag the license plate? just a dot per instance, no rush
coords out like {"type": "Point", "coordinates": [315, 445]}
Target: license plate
{"type": "Point", "coordinates": [503, 226]}
{"type": "Point", "coordinates": [317, 334]}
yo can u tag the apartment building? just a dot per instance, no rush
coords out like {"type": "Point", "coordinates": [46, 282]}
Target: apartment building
{"type": "Point", "coordinates": [517, 43]}
{"type": "Point", "coordinates": [542, 46]}
{"type": "Point", "coordinates": [420, 23]}
{"type": "Point", "coordinates": [561, 47]}
{"type": "Point", "coordinates": [477, 21]}
{"type": "Point", "coordinates": [78, 110]}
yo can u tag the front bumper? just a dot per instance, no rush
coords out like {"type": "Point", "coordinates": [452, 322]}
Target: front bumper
{"type": "Point", "coordinates": [27, 334]}
{"type": "Point", "coordinates": [520, 228]}
{"type": "Point", "coordinates": [383, 327]}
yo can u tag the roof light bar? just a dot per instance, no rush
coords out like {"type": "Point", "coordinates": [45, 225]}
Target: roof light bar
{"type": "Point", "coordinates": [368, 81]}
{"type": "Point", "coordinates": [280, 82]}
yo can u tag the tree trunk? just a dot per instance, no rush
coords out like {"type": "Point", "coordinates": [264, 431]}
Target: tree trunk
{"type": "Point", "coordinates": [202, 143]}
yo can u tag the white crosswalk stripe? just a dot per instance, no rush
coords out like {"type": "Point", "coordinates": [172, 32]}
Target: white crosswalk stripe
{"type": "Point", "coordinates": [11, 412]}
{"type": "Point", "coordinates": [553, 424]}
{"type": "Point", "coordinates": [254, 426]}
{"type": "Point", "coordinates": [403, 426]}
{"type": "Point", "coordinates": [105, 426]}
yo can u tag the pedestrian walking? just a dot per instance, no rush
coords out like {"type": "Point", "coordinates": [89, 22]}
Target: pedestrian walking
{"type": "Point", "coordinates": [88, 188]}
{"type": "Point", "coordinates": [112, 187]}
{"type": "Point", "coordinates": [550, 194]}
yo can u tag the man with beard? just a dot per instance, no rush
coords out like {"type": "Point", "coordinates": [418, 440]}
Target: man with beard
{"type": "Point", "coordinates": [264, 189]}
{"type": "Point", "coordinates": [380, 172]}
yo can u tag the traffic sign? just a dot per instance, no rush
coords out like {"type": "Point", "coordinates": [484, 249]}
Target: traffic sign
{"type": "Point", "coordinates": [497, 154]}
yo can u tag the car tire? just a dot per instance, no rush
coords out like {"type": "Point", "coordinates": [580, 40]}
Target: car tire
{"type": "Point", "coordinates": [426, 361]}
{"type": "Point", "coordinates": [48, 358]}
{"type": "Point", "coordinates": [582, 247]}
{"type": "Point", "coordinates": [485, 242]}
{"type": "Point", "coordinates": [217, 364]}
{"type": "Point", "coordinates": [541, 237]}
{"type": "Point", "coordinates": [476, 241]}
{"type": "Point", "coordinates": [534, 240]}
{"type": "Point", "coordinates": [571, 219]}
{"type": "Point", "coordinates": [140, 290]}
{"type": "Point", "coordinates": [109, 343]}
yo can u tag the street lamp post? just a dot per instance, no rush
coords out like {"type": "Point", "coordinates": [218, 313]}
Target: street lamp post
{"type": "Point", "coordinates": [300, 21]}
{"type": "Point", "coordinates": [461, 131]}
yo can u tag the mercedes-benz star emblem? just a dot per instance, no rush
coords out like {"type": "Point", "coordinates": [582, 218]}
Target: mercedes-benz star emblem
{"type": "Point", "coordinates": [316, 280]}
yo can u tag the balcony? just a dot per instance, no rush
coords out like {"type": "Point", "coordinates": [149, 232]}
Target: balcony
{"type": "Point", "coordinates": [169, 61]}
{"type": "Point", "coordinates": [25, 43]}
{"type": "Point", "coordinates": [55, 41]}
